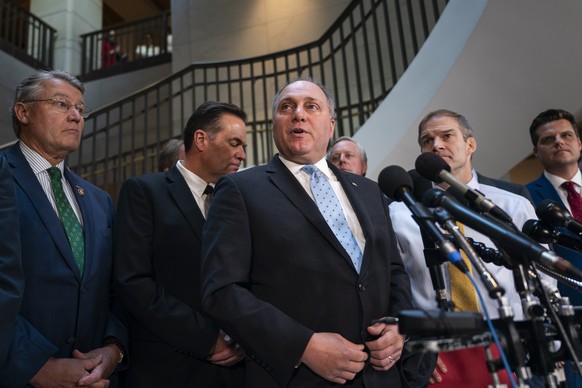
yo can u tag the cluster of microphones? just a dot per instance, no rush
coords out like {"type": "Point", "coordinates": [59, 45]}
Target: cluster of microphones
{"type": "Point", "coordinates": [470, 207]}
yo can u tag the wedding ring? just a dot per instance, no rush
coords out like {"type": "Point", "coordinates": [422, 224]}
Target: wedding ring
{"type": "Point", "coordinates": [390, 359]}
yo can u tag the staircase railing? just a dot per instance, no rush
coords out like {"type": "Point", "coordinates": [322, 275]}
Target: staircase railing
{"type": "Point", "coordinates": [360, 58]}
{"type": "Point", "coordinates": [26, 37]}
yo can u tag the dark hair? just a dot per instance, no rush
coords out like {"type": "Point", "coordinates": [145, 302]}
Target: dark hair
{"type": "Point", "coordinates": [548, 116]}
{"type": "Point", "coordinates": [170, 154]}
{"type": "Point", "coordinates": [462, 120]}
{"type": "Point", "coordinates": [32, 86]}
{"type": "Point", "coordinates": [206, 118]}
{"type": "Point", "coordinates": [326, 91]}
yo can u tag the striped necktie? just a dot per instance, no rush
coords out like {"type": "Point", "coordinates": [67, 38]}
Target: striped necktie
{"type": "Point", "coordinates": [72, 226]}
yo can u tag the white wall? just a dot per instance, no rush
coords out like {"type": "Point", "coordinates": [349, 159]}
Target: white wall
{"type": "Point", "coordinates": [499, 63]}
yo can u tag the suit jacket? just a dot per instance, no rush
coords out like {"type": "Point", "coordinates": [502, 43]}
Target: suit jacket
{"type": "Point", "coordinates": [11, 276]}
{"type": "Point", "coordinates": [541, 189]}
{"type": "Point", "coordinates": [61, 310]}
{"type": "Point", "coordinates": [274, 273]}
{"type": "Point", "coordinates": [158, 244]}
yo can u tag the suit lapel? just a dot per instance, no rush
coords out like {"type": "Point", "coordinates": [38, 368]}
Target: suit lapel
{"type": "Point", "coordinates": [292, 189]}
{"type": "Point", "coordinates": [185, 201]}
{"type": "Point", "coordinates": [545, 190]}
{"type": "Point", "coordinates": [28, 183]}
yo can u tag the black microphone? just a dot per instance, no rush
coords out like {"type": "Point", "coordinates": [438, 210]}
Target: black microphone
{"type": "Point", "coordinates": [510, 239]}
{"type": "Point", "coordinates": [434, 168]}
{"type": "Point", "coordinates": [545, 234]}
{"type": "Point", "coordinates": [396, 184]}
{"type": "Point", "coordinates": [555, 215]}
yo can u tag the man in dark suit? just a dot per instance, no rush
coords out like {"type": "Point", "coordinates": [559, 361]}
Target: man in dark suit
{"type": "Point", "coordinates": [11, 276]}
{"type": "Point", "coordinates": [556, 144]}
{"type": "Point", "coordinates": [277, 279]}
{"type": "Point", "coordinates": [158, 243]}
{"type": "Point", "coordinates": [66, 332]}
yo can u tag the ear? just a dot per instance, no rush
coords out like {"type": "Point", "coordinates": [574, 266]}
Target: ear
{"type": "Point", "coordinates": [471, 145]}
{"type": "Point", "coordinates": [21, 111]}
{"type": "Point", "coordinates": [200, 140]}
{"type": "Point", "coordinates": [331, 127]}
{"type": "Point", "coordinates": [535, 151]}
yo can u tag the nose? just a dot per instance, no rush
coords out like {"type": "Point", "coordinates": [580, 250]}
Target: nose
{"type": "Point", "coordinates": [298, 114]}
{"type": "Point", "coordinates": [74, 113]}
{"type": "Point", "coordinates": [241, 155]}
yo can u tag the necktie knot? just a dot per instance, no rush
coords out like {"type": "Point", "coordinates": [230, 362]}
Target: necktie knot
{"type": "Point", "coordinates": [54, 173]}
{"type": "Point", "coordinates": [574, 199]}
{"type": "Point", "coordinates": [208, 190]}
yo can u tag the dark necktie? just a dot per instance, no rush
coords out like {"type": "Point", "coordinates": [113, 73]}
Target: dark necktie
{"type": "Point", "coordinates": [330, 207]}
{"type": "Point", "coordinates": [207, 199]}
{"type": "Point", "coordinates": [70, 222]}
{"type": "Point", "coordinates": [574, 200]}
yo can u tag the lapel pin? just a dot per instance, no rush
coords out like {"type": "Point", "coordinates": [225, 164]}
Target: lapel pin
{"type": "Point", "coordinates": [354, 183]}
{"type": "Point", "coordinates": [81, 191]}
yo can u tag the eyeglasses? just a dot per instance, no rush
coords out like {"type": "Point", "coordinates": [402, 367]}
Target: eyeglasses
{"type": "Point", "coordinates": [63, 106]}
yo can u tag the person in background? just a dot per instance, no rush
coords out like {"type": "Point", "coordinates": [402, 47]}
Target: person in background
{"type": "Point", "coordinates": [147, 48]}
{"type": "Point", "coordinates": [302, 302]}
{"type": "Point", "coordinates": [348, 155]}
{"type": "Point", "coordinates": [170, 154]}
{"type": "Point", "coordinates": [112, 53]}
{"type": "Point", "coordinates": [68, 332]}
{"type": "Point", "coordinates": [11, 276]}
{"type": "Point", "coordinates": [158, 240]}
{"type": "Point", "coordinates": [450, 135]}
{"type": "Point", "coordinates": [556, 144]}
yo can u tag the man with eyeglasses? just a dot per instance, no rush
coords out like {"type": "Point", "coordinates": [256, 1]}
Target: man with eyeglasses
{"type": "Point", "coordinates": [66, 333]}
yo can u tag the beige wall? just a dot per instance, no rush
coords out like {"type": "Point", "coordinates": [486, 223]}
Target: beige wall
{"type": "Point", "coordinates": [217, 30]}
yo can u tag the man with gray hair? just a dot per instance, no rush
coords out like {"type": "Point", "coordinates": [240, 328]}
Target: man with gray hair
{"type": "Point", "coordinates": [348, 155]}
{"type": "Point", "coordinates": [66, 333]}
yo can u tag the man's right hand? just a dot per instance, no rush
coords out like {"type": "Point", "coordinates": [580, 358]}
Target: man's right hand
{"type": "Point", "coordinates": [225, 351]}
{"type": "Point", "coordinates": [65, 372]}
{"type": "Point", "coordinates": [333, 357]}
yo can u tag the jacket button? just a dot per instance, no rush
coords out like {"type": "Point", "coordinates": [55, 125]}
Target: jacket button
{"type": "Point", "coordinates": [71, 340]}
{"type": "Point", "coordinates": [361, 287]}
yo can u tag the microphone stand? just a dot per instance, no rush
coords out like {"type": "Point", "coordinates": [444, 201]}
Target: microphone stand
{"type": "Point", "coordinates": [495, 292]}
{"type": "Point", "coordinates": [433, 260]}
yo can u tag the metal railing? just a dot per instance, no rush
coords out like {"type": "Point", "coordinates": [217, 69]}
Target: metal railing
{"type": "Point", "coordinates": [126, 47]}
{"type": "Point", "coordinates": [26, 37]}
{"type": "Point", "coordinates": [360, 58]}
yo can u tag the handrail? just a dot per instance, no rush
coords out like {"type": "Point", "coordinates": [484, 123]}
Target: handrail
{"type": "Point", "coordinates": [130, 49]}
{"type": "Point", "coordinates": [26, 37]}
{"type": "Point", "coordinates": [359, 58]}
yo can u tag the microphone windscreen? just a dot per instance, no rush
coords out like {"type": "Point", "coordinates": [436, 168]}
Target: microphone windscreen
{"type": "Point", "coordinates": [551, 213]}
{"type": "Point", "coordinates": [430, 165]}
{"type": "Point", "coordinates": [391, 179]}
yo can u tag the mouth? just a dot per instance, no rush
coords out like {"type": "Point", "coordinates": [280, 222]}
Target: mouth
{"type": "Point", "coordinates": [298, 131]}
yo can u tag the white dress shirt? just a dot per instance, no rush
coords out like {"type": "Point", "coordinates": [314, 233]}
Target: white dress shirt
{"type": "Point", "coordinates": [411, 248]}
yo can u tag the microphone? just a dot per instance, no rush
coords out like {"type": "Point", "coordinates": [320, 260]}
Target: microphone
{"type": "Point", "coordinates": [545, 234]}
{"type": "Point", "coordinates": [396, 184]}
{"type": "Point", "coordinates": [510, 239]}
{"type": "Point", "coordinates": [554, 215]}
{"type": "Point", "coordinates": [434, 168]}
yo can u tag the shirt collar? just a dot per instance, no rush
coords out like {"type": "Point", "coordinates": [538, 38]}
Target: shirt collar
{"type": "Point", "coordinates": [196, 184]}
{"type": "Point", "coordinates": [295, 168]}
{"type": "Point", "coordinates": [557, 181]}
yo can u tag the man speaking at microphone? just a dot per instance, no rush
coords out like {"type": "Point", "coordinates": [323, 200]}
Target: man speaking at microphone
{"type": "Point", "coordinates": [450, 136]}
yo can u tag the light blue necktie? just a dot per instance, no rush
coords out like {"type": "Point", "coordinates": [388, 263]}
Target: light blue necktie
{"type": "Point", "coordinates": [331, 209]}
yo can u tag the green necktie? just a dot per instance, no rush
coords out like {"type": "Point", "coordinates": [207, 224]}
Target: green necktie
{"type": "Point", "coordinates": [70, 222]}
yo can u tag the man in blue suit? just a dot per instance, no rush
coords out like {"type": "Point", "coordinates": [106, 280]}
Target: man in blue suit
{"type": "Point", "coordinates": [11, 276]}
{"type": "Point", "coordinates": [556, 144]}
{"type": "Point", "coordinates": [66, 333]}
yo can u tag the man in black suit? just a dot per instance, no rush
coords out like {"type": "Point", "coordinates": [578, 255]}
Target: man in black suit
{"type": "Point", "coordinates": [277, 279]}
{"type": "Point", "coordinates": [158, 235]}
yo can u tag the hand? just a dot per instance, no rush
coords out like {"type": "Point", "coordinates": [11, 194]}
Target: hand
{"type": "Point", "coordinates": [387, 348]}
{"type": "Point", "coordinates": [225, 352]}
{"type": "Point", "coordinates": [333, 357]}
{"type": "Point", "coordinates": [109, 355]}
{"type": "Point", "coordinates": [440, 367]}
{"type": "Point", "coordinates": [64, 372]}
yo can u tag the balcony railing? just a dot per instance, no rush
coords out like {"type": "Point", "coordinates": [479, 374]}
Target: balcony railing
{"type": "Point", "coordinates": [26, 37]}
{"type": "Point", "coordinates": [360, 58]}
{"type": "Point", "coordinates": [126, 47]}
